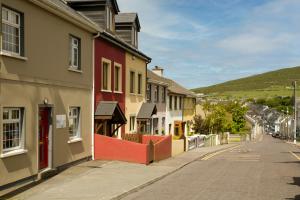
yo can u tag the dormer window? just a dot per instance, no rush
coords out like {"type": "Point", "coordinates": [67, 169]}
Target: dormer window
{"type": "Point", "coordinates": [109, 19]}
{"type": "Point", "coordinates": [134, 37]}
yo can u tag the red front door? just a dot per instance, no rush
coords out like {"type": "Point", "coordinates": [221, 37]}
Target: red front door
{"type": "Point", "coordinates": [43, 137]}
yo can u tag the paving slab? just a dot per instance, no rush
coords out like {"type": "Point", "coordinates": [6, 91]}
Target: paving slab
{"type": "Point", "coordinates": [110, 179]}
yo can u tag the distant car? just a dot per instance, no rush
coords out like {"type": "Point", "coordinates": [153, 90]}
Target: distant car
{"type": "Point", "coordinates": [276, 135]}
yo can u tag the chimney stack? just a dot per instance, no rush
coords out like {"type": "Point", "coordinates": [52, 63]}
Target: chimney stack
{"type": "Point", "coordinates": [158, 71]}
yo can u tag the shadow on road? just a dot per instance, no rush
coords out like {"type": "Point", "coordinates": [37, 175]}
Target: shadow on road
{"type": "Point", "coordinates": [296, 182]}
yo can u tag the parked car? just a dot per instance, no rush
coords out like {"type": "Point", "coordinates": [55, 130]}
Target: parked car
{"type": "Point", "coordinates": [276, 135]}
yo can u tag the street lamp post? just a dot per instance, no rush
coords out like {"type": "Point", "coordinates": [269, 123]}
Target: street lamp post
{"type": "Point", "coordinates": [295, 112]}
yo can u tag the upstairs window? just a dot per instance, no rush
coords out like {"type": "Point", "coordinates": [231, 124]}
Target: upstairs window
{"type": "Point", "coordinates": [12, 129]}
{"type": "Point", "coordinates": [74, 122]}
{"type": "Point", "coordinates": [170, 102]}
{"type": "Point", "coordinates": [106, 75]}
{"type": "Point", "coordinates": [75, 53]}
{"type": "Point", "coordinates": [12, 31]}
{"type": "Point", "coordinates": [148, 92]}
{"type": "Point", "coordinates": [175, 102]}
{"type": "Point", "coordinates": [163, 95]}
{"type": "Point", "coordinates": [156, 93]}
{"type": "Point", "coordinates": [140, 83]}
{"type": "Point", "coordinates": [180, 103]}
{"type": "Point", "coordinates": [132, 82]}
{"type": "Point", "coordinates": [118, 78]}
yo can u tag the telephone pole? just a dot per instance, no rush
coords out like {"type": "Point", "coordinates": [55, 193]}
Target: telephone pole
{"type": "Point", "coordinates": [295, 112]}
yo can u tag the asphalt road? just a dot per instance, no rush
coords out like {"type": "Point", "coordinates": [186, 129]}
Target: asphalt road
{"type": "Point", "coordinates": [266, 169]}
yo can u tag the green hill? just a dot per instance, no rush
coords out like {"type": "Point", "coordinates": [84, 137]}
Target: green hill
{"type": "Point", "coordinates": [272, 83]}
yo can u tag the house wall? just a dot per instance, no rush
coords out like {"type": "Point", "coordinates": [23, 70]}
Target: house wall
{"type": "Point", "coordinates": [114, 54]}
{"type": "Point", "coordinates": [189, 111]}
{"type": "Point", "coordinates": [172, 115]}
{"type": "Point", "coordinates": [45, 75]}
{"type": "Point", "coordinates": [134, 101]}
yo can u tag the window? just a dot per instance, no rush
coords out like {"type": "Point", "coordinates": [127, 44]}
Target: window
{"type": "Point", "coordinates": [140, 83]}
{"type": "Point", "coordinates": [163, 95]}
{"type": "Point", "coordinates": [132, 82]}
{"type": "Point", "coordinates": [156, 94]}
{"type": "Point", "coordinates": [109, 22]}
{"type": "Point", "coordinates": [106, 75]}
{"type": "Point", "coordinates": [175, 103]}
{"type": "Point", "coordinates": [148, 92]}
{"type": "Point", "coordinates": [180, 103]}
{"type": "Point", "coordinates": [12, 129]}
{"type": "Point", "coordinates": [75, 53]}
{"type": "Point", "coordinates": [132, 123]}
{"type": "Point", "coordinates": [170, 102]}
{"type": "Point", "coordinates": [134, 36]}
{"type": "Point", "coordinates": [163, 122]}
{"type": "Point", "coordinates": [170, 128]}
{"type": "Point", "coordinates": [74, 122]}
{"type": "Point", "coordinates": [12, 31]}
{"type": "Point", "coordinates": [118, 78]}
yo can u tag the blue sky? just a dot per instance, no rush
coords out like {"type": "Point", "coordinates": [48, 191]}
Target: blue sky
{"type": "Point", "coordinates": [203, 42]}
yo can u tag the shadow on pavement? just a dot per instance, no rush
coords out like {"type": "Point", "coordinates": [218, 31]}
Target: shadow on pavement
{"type": "Point", "coordinates": [296, 182]}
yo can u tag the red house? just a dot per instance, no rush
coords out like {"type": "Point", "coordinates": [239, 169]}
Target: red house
{"type": "Point", "coordinates": [110, 66]}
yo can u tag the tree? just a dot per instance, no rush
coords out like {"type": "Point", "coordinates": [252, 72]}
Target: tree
{"type": "Point", "coordinates": [199, 125]}
{"type": "Point", "coordinates": [238, 118]}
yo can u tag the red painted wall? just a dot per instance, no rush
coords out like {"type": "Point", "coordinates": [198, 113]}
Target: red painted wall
{"type": "Point", "coordinates": [107, 50]}
{"type": "Point", "coordinates": [162, 146]}
{"type": "Point", "coordinates": [107, 148]}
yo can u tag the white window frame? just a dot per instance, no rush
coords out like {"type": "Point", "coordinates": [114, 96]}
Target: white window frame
{"type": "Point", "coordinates": [156, 93]}
{"type": "Point", "coordinates": [71, 118]}
{"type": "Point", "coordinates": [117, 65]}
{"type": "Point", "coordinates": [74, 47]}
{"type": "Point", "coordinates": [109, 81]}
{"type": "Point", "coordinates": [15, 25]}
{"type": "Point", "coordinates": [132, 123]}
{"type": "Point", "coordinates": [20, 120]}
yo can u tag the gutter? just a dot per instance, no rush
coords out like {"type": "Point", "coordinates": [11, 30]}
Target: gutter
{"type": "Point", "coordinates": [124, 46]}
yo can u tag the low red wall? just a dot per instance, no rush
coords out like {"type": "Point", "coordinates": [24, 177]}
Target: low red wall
{"type": "Point", "coordinates": [107, 148]}
{"type": "Point", "coordinates": [162, 146]}
{"type": "Point", "coordinates": [146, 139]}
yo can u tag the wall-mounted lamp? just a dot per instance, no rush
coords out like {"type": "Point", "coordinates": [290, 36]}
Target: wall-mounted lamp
{"type": "Point", "coordinates": [45, 101]}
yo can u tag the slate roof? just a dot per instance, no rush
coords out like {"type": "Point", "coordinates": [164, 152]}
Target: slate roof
{"type": "Point", "coordinates": [146, 111]}
{"type": "Point", "coordinates": [110, 109]}
{"type": "Point", "coordinates": [173, 86]}
{"type": "Point", "coordinates": [128, 18]}
{"type": "Point", "coordinates": [63, 8]}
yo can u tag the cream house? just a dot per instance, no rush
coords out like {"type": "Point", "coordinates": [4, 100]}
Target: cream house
{"type": "Point", "coordinates": [46, 81]}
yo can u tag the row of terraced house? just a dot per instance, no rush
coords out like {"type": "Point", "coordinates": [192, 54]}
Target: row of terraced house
{"type": "Point", "coordinates": [75, 86]}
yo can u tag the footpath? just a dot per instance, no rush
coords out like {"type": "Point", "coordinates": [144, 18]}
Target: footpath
{"type": "Point", "coordinates": [110, 179]}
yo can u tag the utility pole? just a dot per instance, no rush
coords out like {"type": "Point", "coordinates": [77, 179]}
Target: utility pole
{"type": "Point", "coordinates": [295, 112]}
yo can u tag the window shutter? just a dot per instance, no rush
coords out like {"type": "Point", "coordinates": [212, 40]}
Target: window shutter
{"type": "Point", "coordinates": [22, 35]}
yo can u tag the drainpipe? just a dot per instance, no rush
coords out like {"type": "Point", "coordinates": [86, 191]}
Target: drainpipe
{"type": "Point", "coordinates": [93, 96]}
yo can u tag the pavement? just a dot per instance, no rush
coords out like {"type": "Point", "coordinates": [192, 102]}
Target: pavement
{"type": "Point", "coordinates": [111, 179]}
{"type": "Point", "coordinates": [268, 168]}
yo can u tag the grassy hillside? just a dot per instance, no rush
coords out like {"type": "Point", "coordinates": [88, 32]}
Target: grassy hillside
{"type": "Point", "coordinates": [267, 84]}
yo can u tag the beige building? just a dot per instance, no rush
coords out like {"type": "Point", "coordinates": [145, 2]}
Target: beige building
{"type": "Point", "coordinates": [127, 28]}
{"type": "Point", "coordinates": [46, 81]}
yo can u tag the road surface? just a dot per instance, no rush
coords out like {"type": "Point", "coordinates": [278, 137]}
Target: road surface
{"type": "Point", "coordinates": [266, 169]}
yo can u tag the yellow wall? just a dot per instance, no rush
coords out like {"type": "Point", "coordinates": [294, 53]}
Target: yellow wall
{"type": "Point", "coordinates": [134, 101]}
{"type": "Point", "coordinates": [189, 108]}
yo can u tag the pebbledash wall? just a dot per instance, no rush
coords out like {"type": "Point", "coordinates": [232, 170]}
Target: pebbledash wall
{"type": "Point", "coordinates": [42, 77]}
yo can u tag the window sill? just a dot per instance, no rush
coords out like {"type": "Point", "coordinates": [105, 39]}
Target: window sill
{"type": "Point", "coordinates": [2, 53]}
{"type": "Point", "coordinates": [74, 140]}
{"type": "Point", "coordinates": [109, 91]}
{"type": "Point", "coordinates": [13, 153]}
{"type": "Point", "coordinates": [118, 92]}
{"type": "Point", "coordinates": [74, 70]}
